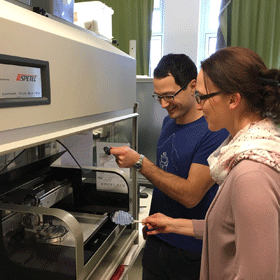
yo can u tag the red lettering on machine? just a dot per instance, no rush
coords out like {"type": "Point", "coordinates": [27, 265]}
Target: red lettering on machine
{"type": "Point", "coordinates": [26, 78]}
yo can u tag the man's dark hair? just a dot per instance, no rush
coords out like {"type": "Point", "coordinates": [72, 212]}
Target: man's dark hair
{"type": "Point", "coordinates": [180, 66]}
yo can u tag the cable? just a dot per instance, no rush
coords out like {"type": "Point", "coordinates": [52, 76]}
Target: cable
{"type": "Point", "coordinates": [25, 150]}
{"type": "Point", "coordinates": [69, 153]}
{"type": "Point", "coordinates": [12, 160]}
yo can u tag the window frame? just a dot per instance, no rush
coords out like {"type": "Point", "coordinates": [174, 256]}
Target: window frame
{"type": "Point", "coordinates": [156, 35]}
{"type": "Point", "coordinates": [205, 32]}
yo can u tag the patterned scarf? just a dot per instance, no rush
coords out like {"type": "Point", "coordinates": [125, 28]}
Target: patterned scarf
{"type": "Point", "coordinates": [258, 141]}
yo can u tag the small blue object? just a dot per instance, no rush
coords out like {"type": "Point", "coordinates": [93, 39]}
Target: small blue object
{"type": "Point", "coordinates": [122, 218]}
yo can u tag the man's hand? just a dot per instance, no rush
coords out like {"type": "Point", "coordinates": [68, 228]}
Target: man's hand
{"type": "Point", "coordinates": [125, 156]}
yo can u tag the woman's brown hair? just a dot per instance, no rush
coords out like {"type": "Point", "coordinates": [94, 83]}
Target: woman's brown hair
{"type": "Point", "coordinates": [237, 69]}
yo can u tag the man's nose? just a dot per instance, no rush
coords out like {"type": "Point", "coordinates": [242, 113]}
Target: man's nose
{"type": "Point", "coordinates": [164, 103]}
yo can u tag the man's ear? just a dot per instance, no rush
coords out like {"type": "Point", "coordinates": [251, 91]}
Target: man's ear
{"type": "Point", "coordinates": [192, 84]}
{"type": "Point", "coordinates": [235, 100]}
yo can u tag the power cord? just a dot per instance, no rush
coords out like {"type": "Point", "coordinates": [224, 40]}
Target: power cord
{"type": "Point", "coordinates": [25, 150]}
{"type": "Point", "coordinates": [69, 153]}
{"type": "Point", "coordinates": [12, 160]}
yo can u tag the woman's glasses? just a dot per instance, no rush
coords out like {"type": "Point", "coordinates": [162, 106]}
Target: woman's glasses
{"type": "Point", "coordinates": [200, 97]}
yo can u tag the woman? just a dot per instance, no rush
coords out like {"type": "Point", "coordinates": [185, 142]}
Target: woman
{"type": "Point", "coordinates": [241, 230]}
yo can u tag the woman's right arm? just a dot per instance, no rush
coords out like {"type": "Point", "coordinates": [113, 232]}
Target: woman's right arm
{"type": "Point", "coordinates": [159, 223]}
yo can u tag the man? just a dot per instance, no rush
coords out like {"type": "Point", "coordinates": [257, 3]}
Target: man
{"type": "Point", "coordinates": [183, 185]}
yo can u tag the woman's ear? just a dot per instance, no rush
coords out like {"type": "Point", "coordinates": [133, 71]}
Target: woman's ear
{"type": "Point", "coordinates": [235, 100]}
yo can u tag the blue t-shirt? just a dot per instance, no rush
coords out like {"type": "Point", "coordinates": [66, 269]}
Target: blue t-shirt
{"type": "Point", "coordinates": [178, 147]}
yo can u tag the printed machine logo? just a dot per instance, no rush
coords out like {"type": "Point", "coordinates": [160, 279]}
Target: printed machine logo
{"type": "Point", "coordinates": [26, 78]}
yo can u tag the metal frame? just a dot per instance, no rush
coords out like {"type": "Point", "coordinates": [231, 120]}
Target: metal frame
{"type": "Point", "coordinates": [83, 272]}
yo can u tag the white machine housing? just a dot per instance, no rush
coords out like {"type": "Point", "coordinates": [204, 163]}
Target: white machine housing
{"type": "Point", "coordinates": [92, 84]}
{"type": "Point", "coordinates": [88, 75]}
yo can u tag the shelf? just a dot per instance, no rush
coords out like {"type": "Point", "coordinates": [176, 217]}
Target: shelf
{"type": "Point", "coordinates": [27, 137]}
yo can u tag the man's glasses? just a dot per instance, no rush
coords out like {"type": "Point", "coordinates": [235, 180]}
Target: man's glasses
{"type": "Point", "coordinates": [199, 97]}
{"type": "Point", "coordinates": [167, 98]}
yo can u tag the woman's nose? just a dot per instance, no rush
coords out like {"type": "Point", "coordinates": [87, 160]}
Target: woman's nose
{"type": "Point", "coordinates": [199, 106]}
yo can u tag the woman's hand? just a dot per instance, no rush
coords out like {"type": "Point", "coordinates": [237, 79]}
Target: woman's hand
{"type": "Point", "coordinates": [159, 223]}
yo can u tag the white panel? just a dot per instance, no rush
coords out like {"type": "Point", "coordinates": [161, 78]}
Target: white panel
{"type": "Point", "coordinates": [88, 75]}
{"type": "Point", "coordinates": [181, 23]}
